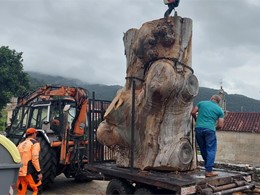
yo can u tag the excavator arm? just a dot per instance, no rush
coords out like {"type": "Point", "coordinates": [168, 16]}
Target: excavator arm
{"type": "Point", "coordinates": [48, 91]}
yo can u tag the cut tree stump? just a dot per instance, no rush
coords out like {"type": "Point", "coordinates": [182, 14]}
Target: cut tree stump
{"type": "Point", "coordinates": [159, 60]}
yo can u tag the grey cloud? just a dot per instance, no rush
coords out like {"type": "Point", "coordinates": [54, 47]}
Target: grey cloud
{"type": "Point", "coordinates": [83, 38]}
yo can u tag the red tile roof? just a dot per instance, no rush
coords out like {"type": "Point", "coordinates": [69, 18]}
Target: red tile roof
{"type": "Point", "coordinates": [242, 122]}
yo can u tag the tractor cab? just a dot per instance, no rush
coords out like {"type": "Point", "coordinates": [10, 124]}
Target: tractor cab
{"type": "Point", "coordinates": [43, 115]}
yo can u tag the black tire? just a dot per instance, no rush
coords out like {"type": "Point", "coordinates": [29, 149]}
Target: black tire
{"type": "Point", "coordinates": [48, 162]}
{"type": "Point", "coordinates": [122, 187]}
{"type": "Point", "coordinates": [142, 191]}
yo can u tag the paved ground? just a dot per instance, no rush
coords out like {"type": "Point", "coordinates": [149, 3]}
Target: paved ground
{"type": "Point", "coordinates": [63, 185]}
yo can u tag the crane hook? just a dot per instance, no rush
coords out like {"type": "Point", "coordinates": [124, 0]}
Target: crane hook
{"type": "Point", "coordinates": [171, 6]}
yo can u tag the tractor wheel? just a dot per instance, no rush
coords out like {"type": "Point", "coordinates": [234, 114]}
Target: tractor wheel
{"type": "Point", "coordinates": [116, 186]}
{"type": "Point", "coordinates": [141, 191]}
{"type": "Point", "coordinates": [48, 162]}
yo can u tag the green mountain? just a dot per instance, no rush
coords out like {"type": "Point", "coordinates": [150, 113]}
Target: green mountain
{"type": "Point", "coordinates": [103, 92]}
{"type": "Point", "coordinates": [234, 102]}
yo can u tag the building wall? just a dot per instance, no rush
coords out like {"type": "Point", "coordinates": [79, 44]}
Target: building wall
{"type": "Point", "coordinates": [9, 108]}
{"type": "Point", "coordinates": [238, 147]}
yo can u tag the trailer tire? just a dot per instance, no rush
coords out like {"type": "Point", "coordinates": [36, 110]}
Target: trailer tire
{"type": "Point", "coordinates": [142, 191]}
{"type": "Point", "coordinates": [122, 187]}
{"type": "Point", "coordinates": [48, 162]}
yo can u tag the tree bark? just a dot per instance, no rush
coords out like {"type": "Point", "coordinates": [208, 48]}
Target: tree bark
{"type": "Point", "coordinates": [159, 60]}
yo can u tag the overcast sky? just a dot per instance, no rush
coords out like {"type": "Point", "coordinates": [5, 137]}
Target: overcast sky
{"type": "Point", "coordinates": [83, 39]}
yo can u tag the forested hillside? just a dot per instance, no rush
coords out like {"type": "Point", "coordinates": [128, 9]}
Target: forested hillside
{"type": "Point", "coordinates": [104, 92]}
{"type": "Point", "coordinates": [235, 102]}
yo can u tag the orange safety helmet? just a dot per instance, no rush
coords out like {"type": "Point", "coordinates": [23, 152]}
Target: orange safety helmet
{"type": "Point", "coordinates": [31, 131]}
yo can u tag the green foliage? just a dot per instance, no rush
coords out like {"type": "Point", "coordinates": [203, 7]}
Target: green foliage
{"type": "Point", "coordinates": [240, 103]}
{"type": "Point", "coordinates": [13, 81]}
{"type": "Point", "coordinates": [3, 118]}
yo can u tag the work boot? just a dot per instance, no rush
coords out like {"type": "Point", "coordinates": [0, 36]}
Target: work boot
{"type": "Point", "coordinates": [211, 174]}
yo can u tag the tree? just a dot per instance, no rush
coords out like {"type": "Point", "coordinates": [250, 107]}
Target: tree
{"type": "Point", "coordinates": [13, 81]}
{"type": "Point", "coordinates": [3, 117]}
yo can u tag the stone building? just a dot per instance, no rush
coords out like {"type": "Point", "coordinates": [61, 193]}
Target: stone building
{"type": "Point", "coordinates": [222, 103]}
{"type": "Point", "coordinates": [9, 108]}
{"type": "Point", "coordinates": [239, 139]}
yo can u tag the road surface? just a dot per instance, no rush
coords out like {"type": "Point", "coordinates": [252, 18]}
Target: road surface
{"type": "Point", "coordinates": [63, 185]}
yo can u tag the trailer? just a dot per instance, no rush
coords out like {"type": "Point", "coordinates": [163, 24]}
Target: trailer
{"type": "Point", "coordinates": [128, 181]}
{"type": "Point", "coordinates": [101, 160]}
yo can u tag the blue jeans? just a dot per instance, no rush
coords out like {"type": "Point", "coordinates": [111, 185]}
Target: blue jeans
{"type": "Point", "coordinates": [207, 141]}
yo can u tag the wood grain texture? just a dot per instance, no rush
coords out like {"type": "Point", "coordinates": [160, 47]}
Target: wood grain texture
{"type": "Point", "coordinates": [158, 57]}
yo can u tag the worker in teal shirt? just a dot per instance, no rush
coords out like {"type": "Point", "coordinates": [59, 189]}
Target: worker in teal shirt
{"type": "Point", "coordinates": [209, 116]}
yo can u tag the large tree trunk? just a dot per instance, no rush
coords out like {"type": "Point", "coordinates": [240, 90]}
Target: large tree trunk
{"type": "Point", "coordinates": [159, 60]}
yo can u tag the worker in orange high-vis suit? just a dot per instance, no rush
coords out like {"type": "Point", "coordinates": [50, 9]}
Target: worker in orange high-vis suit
{"type": "Point", "coordinates": [30, 172]}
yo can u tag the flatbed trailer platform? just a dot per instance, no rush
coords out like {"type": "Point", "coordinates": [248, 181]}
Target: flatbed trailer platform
{"type": "Point", "coordinates": [101, 162]}
{"type": "Point", "coordinates": [191, 182]}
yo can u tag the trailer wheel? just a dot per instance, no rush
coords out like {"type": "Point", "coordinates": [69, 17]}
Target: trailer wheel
{"type": "Point", "coordinates": [142, 191]}
{"type": "Point", "coordinates": [48, 162]}
{"type": "Point", "coordinates": [122, 187]}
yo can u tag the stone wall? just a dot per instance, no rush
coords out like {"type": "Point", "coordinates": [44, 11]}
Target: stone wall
{"type": "Point", "coordinates": [238, 148]}
{"type": "Point", "coordinates": [239, 151]}
{"type": "Point", "coordinates": [9, 108]}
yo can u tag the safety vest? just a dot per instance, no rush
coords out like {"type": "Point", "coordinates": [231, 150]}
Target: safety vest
{"type": "Point", "coordinates": [29, 151]}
